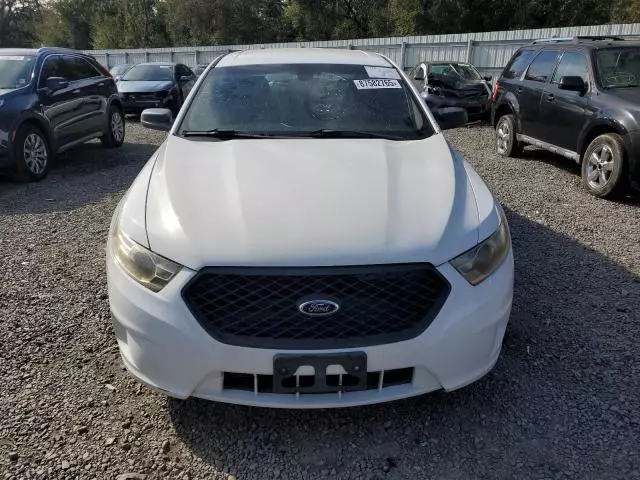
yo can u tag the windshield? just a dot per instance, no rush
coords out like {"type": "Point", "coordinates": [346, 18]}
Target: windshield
{"type": "Point", "coordinates": [618, 67]}
{"type": "Point", "coordinates": [15, 71]}
{"type": "Point", "coordinates": [299, 99]}
{"type": "Point", "coordinates": [466, 71]}
{"type": "Point", "coordinates": [119, 69]}
{"type": "Point", "coordinates": [154, 73]}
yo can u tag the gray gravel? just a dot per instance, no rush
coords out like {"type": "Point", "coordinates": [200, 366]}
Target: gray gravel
{"type": "Point", "coordinates": [563, 402]}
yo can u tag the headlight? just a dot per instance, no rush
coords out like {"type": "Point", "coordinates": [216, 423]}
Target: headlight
{"type": "Point", "coordinates": [477, 264]}
{"type": "Point", "coordinates": [144, 266]}
{"type": "Point", "coordinates": [163, 94]}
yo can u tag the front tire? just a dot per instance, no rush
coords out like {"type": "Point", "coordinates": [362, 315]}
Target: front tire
{"type": "Point", "coordinates": [114, 136]}
{"type": "Point", "coordinates": [506, 142]}
{"type": "Point", "coordinates": [603, 166]}
{"type": "Point", "coordinates": [32, 154]}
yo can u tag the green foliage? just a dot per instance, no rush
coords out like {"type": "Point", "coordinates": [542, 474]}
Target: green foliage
{"type": "Point", "coordinates": [17, 22]}
{"type": "Point", "coordinates": [106, 24]}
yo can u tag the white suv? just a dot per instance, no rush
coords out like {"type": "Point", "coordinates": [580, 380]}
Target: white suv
{"type": "Point", "coordinates": [305, 237]}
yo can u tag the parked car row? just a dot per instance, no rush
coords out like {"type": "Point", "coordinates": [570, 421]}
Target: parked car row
{"type": "Point", "coordinates": [53, 99]}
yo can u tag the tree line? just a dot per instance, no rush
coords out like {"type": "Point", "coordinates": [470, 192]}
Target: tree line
{"type": "Point", "coordinates": [108, 24]}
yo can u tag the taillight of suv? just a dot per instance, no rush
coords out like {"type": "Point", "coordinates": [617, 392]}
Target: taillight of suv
{"type": "Point", "coordinates": [494, 92]}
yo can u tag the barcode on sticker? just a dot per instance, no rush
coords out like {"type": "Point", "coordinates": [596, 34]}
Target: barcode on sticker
{"type": "Point", "coordinates": [371, 83]}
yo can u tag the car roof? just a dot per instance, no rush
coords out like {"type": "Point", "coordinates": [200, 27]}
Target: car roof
{"type": "Point", "coordinates": [590, 43]}
{"type": "Point", "coordinates": [446, 62]}
{"type": "Point", "coordinates": [37, 51]}
{"type": "Point", "coordinates": [161, 64]}
{"type": "Point", "coordinates": [302, 55]}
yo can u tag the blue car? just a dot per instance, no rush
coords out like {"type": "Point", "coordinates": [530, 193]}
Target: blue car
{"type": "Point", "coordinates": [51, 100]}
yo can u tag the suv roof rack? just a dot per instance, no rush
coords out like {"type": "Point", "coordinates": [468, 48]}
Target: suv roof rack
{"type": "Point", "coordinates": [585, 38]}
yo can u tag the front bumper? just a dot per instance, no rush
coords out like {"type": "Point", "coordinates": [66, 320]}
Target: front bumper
{"type": "Point", "coordinates": [476, 106]}
{"type": "Point", "coordinates": [164, 347]}
{"type": "Point", "coordinates": [139, 105]}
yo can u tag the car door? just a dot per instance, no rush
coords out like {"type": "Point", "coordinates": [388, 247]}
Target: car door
{"type": "Point", "coordinates": [60, 107]}
{"type": "Point", "coordinates": [529, 92]}
{"type": "Point", "coordinates": [90, 82]}
{"type": "Point", "coordinates": [566, 112]}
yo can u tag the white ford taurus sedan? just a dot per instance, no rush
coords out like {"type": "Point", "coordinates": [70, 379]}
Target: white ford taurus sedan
{"type": "Point", "coordinates": [305, 237]}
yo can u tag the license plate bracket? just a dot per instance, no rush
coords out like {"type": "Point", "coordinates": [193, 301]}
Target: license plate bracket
{"type": "Point", "coordinates": [285, 367]}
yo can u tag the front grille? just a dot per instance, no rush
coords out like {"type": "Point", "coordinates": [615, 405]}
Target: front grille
{"type": "Point", "coordinates": [140, 97]}
{"type": "Point", "coordinates": [264, 383]}
{"type": "Point", "coordinates": [258, 307]}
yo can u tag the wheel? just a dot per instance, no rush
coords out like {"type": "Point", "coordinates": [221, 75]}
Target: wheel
{"type": "Point", "coordinates": [114, 136]}
{"type": "Point", "coordinates": [603, 166]}
{"type": "Point", "coordinates": [32, 154]}
{"type": "Point", "coordinates": [506, 142]}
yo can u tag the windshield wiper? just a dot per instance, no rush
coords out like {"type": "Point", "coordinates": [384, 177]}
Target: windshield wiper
{"type": "Point", "coordinates": [625, 85]}
{"type": "Point", "coordinates": [224, 134]}
{"type": "Point", "coordinates": [329, 133]}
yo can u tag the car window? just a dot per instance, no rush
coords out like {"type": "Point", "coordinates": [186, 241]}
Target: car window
{"type": "Point", "coordinates": [542, 66]}
{"type": "Point", "coordinates": [572, 64]}
{"type": "Point", "coordinates": [440, 68]}
{"type": "Point", "coordinates": [119, 69]}
{"type": "Point", "coordinates": [149, 72]}
{"type": "Point", "coordinates": [618, 67]}
{"type": "Point", "coordinates": [517, 64]}
{"type": "Point", "coordinates": [15, 70]}
{"type": "Point", "coordinates": [468, 72]}
{"type": "Point", "coordinates": [296, 99]}
{"type": "Point", "coordinates": [52, 67]}
{"type": "Point", "coordinates": [78, 68]}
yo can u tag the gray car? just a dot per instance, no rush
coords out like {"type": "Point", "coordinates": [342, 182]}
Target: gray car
{"type": "Point", "coordinates": [155, 85]}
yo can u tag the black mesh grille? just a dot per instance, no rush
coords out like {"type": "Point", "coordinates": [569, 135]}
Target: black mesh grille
{"type": "Point", "coordinates": [259, 306]}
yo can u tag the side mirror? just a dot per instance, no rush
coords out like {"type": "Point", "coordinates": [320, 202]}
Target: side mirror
{"type": "Point", "coordinates": [488, 78]}
{"type": "Point", "coordinates": [572, 83]}
{"type": "Point", "coordinates": [157, 119]}
{"type": "Point", "coordinates": [419, 75]}
{"type": "Point", "coordinates": [53, 84]}
{"type": "Point", "coordinates": [451, 117]}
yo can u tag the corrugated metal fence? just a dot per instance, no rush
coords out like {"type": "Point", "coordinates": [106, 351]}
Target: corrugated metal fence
{"type": "Point", "coordinates": [489, 51]}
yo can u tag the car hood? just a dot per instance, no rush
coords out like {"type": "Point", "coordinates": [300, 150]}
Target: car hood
{"type": "Point", "coordinates": [631, 94]}
{"type": "Point", "coordinates": [309, 202]}
{"type": "Point", "coordinates": [5, 90]}
{"type": "Point", "coordinates": [142, 86]}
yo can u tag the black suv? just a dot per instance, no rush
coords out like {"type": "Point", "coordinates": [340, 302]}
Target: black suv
{"type": "Point", "coordinates": [52, 99]}
{"type": "Point", "coordinates": [578, 97]}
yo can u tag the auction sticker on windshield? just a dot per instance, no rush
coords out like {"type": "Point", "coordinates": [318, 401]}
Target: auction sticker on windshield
{"type": "Point", "coordinates": [371, 83]}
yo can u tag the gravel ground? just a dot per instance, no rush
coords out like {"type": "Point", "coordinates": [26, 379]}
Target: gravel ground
{"type": "Point", "coordinates": [561, 403]}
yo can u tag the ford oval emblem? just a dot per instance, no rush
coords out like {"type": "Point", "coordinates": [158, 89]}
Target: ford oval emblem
{"type": "Point", "coordinates": [319, 308]}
